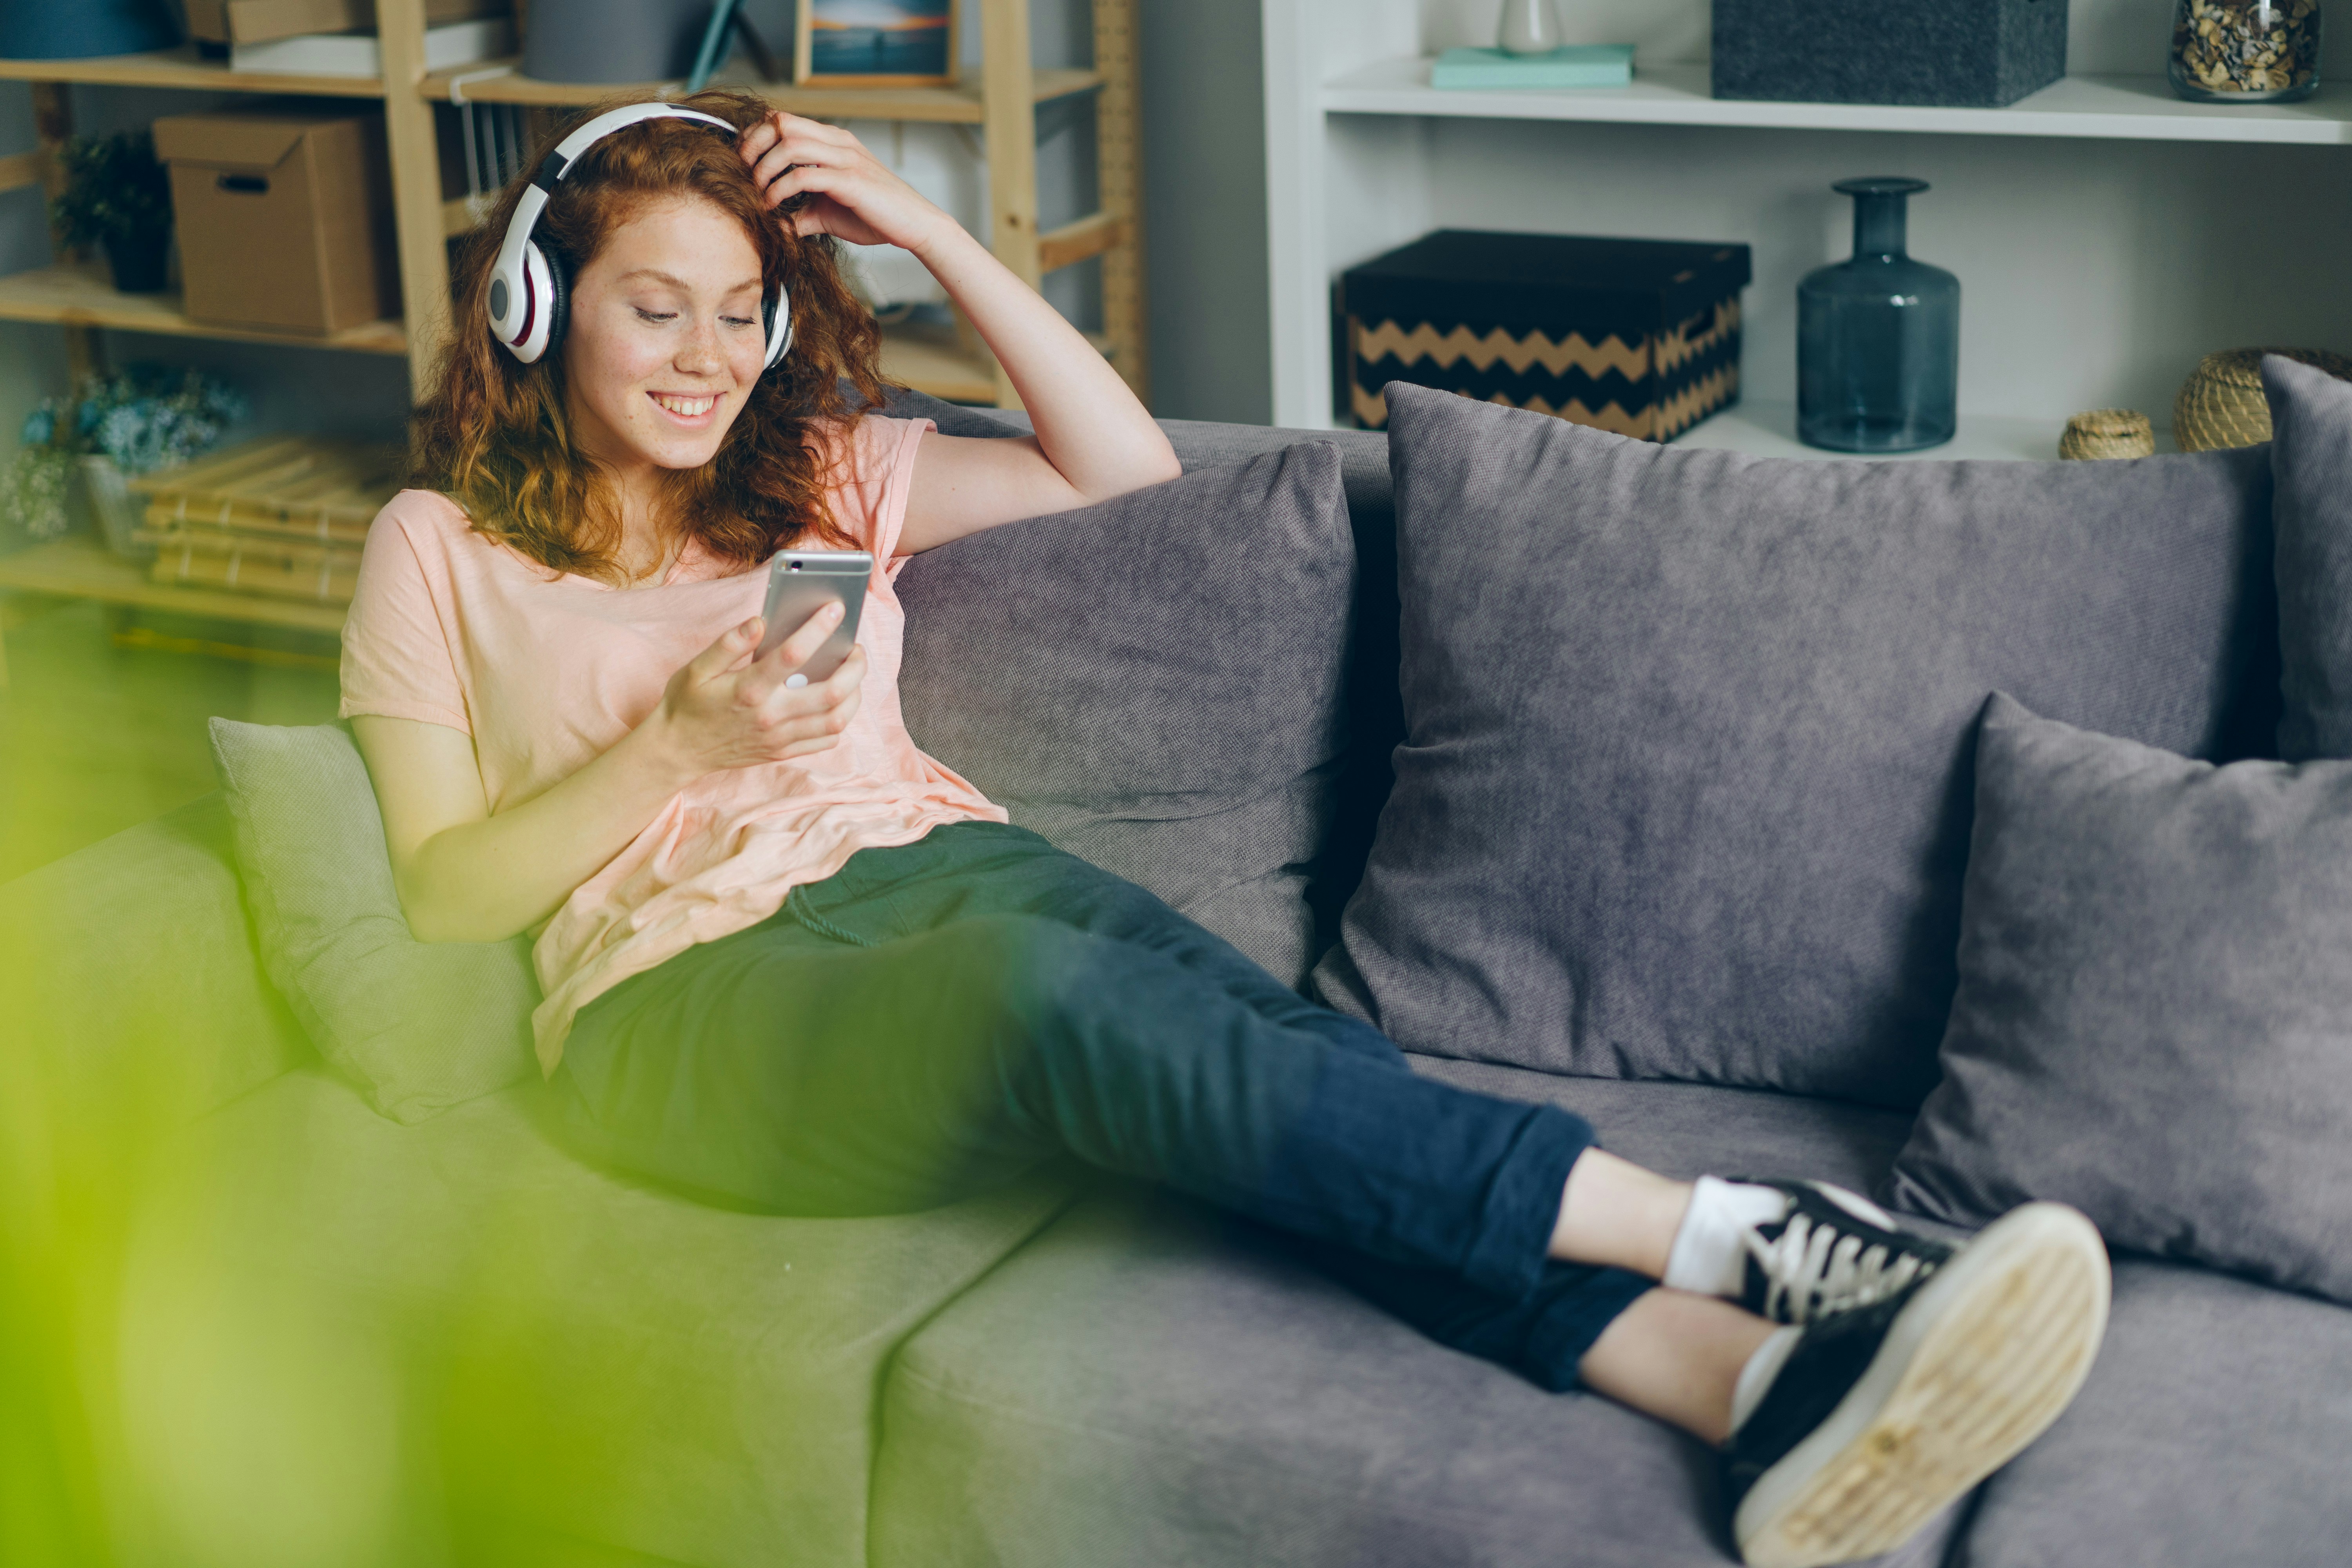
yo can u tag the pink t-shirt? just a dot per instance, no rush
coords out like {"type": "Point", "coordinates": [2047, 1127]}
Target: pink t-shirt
{"type": "Point", "coordinates": [546, 670]}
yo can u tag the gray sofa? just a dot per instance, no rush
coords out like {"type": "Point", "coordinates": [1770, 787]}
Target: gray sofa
{"type": "Point", "coordinates": [332, 1338]}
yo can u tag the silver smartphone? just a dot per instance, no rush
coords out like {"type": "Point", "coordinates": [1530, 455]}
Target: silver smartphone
{"type": "Point", "coordinates": [801, 583]}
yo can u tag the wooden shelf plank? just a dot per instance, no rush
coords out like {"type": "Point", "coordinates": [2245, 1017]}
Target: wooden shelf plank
{"type": "Point", "coordinates": [929, 359]}
{"type": "Point", "coordinates": [81, 569]}
{"type": "Point", "coordinates": [180, 68]}
{"type": "Point", "coordinates": [1075, 242]}
{"type": "Point", "coordinates": [20, 169]}
{"type": "Point", "coordinates": [956, 104]}
{"type": "Point", "coordinates": [2115, 108]}
{"type": "Point", "coordinates": [75, 298]}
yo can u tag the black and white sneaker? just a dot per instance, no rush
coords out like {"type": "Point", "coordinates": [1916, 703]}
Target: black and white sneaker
{"type": "Point", "coordinates": [1886, 1414]}
{"type": "Point", "coordinates": [1833, 1251]}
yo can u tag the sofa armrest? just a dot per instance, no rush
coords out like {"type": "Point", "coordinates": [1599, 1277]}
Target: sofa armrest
{"type": "Point", "coordinates": [131, 985]}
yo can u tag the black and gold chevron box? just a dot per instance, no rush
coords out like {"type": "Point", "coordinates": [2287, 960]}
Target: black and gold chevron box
{"type": "Point", "coordinates": [1638, 336]}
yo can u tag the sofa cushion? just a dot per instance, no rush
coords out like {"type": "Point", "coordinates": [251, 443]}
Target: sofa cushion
{"type": "Point", "coordinates": [1153, 684]}
{"type": "Point", "coordinates": [2154, 1021]}
{"type": "Point", "coordinates": [1374, 722]}
{"type": "Point", "coordinates": [1147, 1384]}
{"type": "Point", "coordinates": [2311, 463]}
{"type": "Point", "coordinates": [131, 1000]}
{"type": "Point", "coordinates": [551, 1342]}
{"type": "Point", "coordinates": [417, 1027]}
{"type": "Point", "coordinates": [2214, 1430]}
{"type": "Point", "coordinates": [1684, 788]}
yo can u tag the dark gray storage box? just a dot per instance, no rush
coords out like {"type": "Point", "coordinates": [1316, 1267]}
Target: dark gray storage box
{"type": "Point", "coordinates": [1968, 54]}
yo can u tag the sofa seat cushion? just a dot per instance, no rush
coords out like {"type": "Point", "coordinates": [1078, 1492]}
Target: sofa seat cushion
{"type": "Point", "coordinates": [2214, 1428]}
{"type": "Point", "coordinates": [553, 1343]}
{"type": "Point", "coordinates": [1147, 1382]}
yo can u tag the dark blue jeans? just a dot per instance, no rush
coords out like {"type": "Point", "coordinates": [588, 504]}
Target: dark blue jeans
{"type": "Point", "coordinates": [942, 1017]}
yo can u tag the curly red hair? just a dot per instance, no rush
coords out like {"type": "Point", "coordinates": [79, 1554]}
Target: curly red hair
{"type": "Point", "coordinates": [494, 434]}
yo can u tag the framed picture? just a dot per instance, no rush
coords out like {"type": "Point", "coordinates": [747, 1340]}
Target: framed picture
{"type": "Point", "coordinates": [874, 43]}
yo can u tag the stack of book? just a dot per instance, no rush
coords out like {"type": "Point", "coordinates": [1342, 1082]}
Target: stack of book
{"type": "Point", "coordinates": [284, 516]}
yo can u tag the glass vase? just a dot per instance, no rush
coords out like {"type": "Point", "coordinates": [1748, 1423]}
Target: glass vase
{"type": "Point", "coordinates": [2245, 51]}
{"type": "Point", "coordinates": [1878, 336]}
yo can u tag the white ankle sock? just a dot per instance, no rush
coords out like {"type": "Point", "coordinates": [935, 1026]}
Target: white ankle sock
{"type": "Point", "coordinates": [1756, 1377]}
{"type": "Point", "coordinates": [1707, 1255]}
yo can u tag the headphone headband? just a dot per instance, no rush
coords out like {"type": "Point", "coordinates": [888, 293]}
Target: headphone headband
{"type": "Point", "coordinates": [528, 290]}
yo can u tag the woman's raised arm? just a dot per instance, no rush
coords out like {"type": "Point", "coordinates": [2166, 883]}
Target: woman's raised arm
{"type": "Point", "coordinates": [1092, 440]}
{"type": "Point", "coordinates": [467, 876]}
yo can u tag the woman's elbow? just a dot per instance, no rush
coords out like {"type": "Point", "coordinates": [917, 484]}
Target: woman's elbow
{"type": "Point", "coordinates": [432, 918]}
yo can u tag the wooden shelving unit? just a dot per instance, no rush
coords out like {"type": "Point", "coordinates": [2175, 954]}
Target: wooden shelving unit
{"type": "Point", "coordinates": [181, 68]}
{"type": "Point", "coordinates": [84, 569]}
{"type": "Point", "coordinates": [1001, 99]}
{"type": "Point", "coordinates": [496, 81]}
{"type": "Point", "coordinates": [77, 297]}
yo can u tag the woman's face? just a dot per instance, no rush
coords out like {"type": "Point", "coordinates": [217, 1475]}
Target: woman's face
{"type": "Point", "coordinates": [665, 339]}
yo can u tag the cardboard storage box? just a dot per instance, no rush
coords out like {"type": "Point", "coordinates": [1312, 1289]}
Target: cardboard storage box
{"type": "Point", "coordinates": [227, 22]}
{"type": "Point", "coordinates": [284, 216]}
{"type": "Point", "coordinates": [1637, 336]}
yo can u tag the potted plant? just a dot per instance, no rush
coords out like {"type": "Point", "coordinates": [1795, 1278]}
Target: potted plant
{"type": "Point", "coordinates": [112, 430]}
{"type": "Point", "coordinates": [119, 199]}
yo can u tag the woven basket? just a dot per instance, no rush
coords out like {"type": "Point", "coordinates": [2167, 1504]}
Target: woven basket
{"type": "Point", "coordinates": [2221, 403]}
{"type": "Point", "coordinates": [2108, 432]}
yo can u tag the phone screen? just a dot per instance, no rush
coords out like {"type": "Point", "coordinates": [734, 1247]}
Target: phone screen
{"type": "Point", "coordinates": [800, 582]}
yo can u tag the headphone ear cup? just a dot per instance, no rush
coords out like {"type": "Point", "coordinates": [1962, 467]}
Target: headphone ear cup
{"type": "Point", "coordinates": [540, 298]}
{"type": "Point", "coordinates": [559, 298]}
{"type": "Point", "coordinates": [776, 317]}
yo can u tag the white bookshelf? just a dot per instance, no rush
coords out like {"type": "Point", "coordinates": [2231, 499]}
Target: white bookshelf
{"type": "Point", "coordinates": [2131, 108]}
{"type": "Point", "coordinates": [1767, 430]}
{"type": "Point", "coordinates": [2105, 233]}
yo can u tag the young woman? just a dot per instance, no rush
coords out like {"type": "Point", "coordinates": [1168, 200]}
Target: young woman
{"type": "Point", "coordinates": [790, 962]}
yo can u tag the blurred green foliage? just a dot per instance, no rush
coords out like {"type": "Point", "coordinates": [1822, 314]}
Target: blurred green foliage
{"type": "Point", "coordinates": [115, 190]}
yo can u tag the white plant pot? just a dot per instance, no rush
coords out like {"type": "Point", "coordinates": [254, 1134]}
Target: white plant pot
{"type": "Point", "coordinates": [118, 510]}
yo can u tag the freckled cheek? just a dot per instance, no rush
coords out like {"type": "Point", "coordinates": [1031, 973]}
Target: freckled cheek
{"type": "Point", "coordinates": [618, 363]}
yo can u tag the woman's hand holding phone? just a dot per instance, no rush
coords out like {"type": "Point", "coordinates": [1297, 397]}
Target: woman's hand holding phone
{"type": "Point", "coordinates": [726, 709]}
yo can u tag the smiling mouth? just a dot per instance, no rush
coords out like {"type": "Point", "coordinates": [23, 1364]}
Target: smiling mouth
{"type": "Point", "coordinates": [684, 407]}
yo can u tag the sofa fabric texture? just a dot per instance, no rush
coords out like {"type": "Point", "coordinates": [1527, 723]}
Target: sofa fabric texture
{"type": "Point", "coordinates": [1204, 1398]}
{"type": "Point", "coordinates": [573, 1349]}
{"type": "Point", "coordinates": [417, 1027]}
{"type": "Point", "coordinates": [1372, 720]}
{"type": "Point", "coordinates": [1153, 684]}
{"type": "Point", "coordinates": [2213, 1430]}
{"type": "Point", "coordinates": [2153, 1019]}
{"type": "Point", "coordinates": [1684, 790]}
{"type": "Point", "coordinates": [2311, 464]}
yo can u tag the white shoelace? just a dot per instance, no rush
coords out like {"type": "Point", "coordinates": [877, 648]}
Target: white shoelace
{"type": "Point", "coordinates": [1812, 1268]}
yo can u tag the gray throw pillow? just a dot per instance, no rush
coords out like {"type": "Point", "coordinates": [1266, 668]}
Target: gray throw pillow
{"type": "Point", "coordinates": [417, 1027]}
{"type": "Point", "coordinates": [1153, 684]}
{"type": "Point", "coordinates": [1685, 787]}
{"type": "Point", "coordinates": [2311, 464]}
{"type": "Point", "coordinates": [2154, 1020]}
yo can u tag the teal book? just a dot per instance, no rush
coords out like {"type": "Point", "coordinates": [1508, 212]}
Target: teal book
{"type": "Point", "coordinates": [1578, 65]}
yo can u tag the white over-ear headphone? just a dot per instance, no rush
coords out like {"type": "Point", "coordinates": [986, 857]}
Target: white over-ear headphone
{"type": "Point", "coordinates": [530, 296]}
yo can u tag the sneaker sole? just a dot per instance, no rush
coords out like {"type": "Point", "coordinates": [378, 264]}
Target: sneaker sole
{"type": "Point", "coordinates": [1979, 1362]}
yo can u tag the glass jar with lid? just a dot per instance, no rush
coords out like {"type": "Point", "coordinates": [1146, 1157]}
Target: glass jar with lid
{"type": "Point", "coordinates": [2245, 51]}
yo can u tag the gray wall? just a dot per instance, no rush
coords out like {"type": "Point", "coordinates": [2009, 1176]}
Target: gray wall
{"type": "Point", "coordinates": [1204, 210]}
